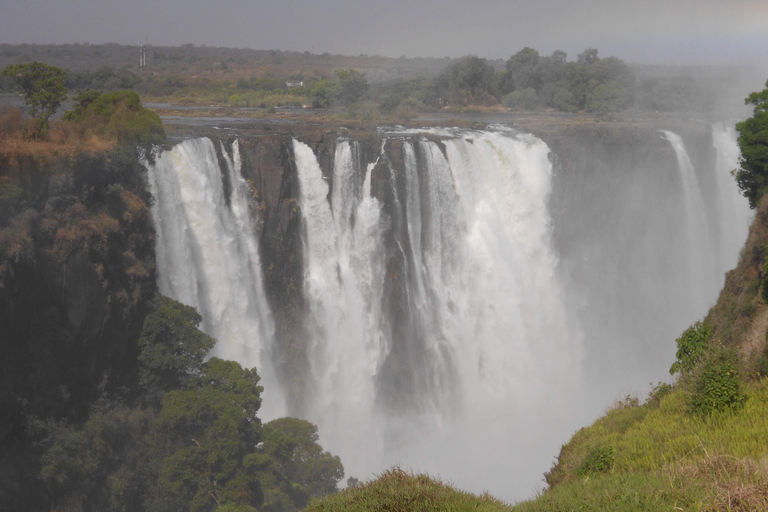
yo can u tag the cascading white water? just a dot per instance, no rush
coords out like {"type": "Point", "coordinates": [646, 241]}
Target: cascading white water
{"type": "Point", "coordinates": [488, 331]}
{"type": "Point", "coordinates": [208, 256]}
{"type": "Point", "coordinates": [704, 290]}
{"type": "Point", "coordinates": [479, 382]}
{"type": "Point", "coordinates": [735, 215]}
{"type": "Point", "coordinates": [343, 288]}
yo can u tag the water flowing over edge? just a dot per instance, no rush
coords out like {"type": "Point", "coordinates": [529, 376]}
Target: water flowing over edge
{"type": "Point", "coordinates": [481, 287]}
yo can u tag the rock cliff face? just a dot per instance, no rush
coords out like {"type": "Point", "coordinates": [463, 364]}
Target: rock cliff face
{"type": "Point", "coordinates": [270, 169]}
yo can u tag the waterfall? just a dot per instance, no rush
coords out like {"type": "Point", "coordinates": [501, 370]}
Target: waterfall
{"type": "Point", "coordinates": [735, 215]}
{"type": "Point", "coordinates": [208, 256]}
{"type": "Point", "coordinates": [343, 288]}
{"type": "Point", "coordinates": [453, 288]}
{"type": "Point", "coordinates": [701, 251]}
{"type": "Point", "coordinates": [486, 335]}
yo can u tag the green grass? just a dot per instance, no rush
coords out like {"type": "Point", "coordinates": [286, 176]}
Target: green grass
{"type": "Point", "coordinates": [648, 437]}
{"type": "Point", "coordinates": [719, 483]}
{"type": "Point", "coordinates": [399, 491]}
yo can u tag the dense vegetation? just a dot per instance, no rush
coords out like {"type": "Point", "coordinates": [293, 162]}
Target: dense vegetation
{"type": "Point", "coordinates": [370, 87]}
{"type": "Point", "coordinates": [752, 175]}
{"type": "Point", "coordinates": [107, 401]}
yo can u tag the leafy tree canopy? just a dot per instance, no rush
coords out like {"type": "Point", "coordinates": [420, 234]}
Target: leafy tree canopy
{"type": "Point", "coordinates": [172, 347]}
{"type": "Point", "coordinates": [691, 346]}
{"type": "Point", "coordinates": [44, 90]}
{"type": "Point", "coordinates": [353, 86]}
{"type": "Point", "coordinates": [752, 173]}
{"type": "Point", "coordinates": [293, 445]}
{"type": "Point", "coordinates": [214, 429]}
{"type": "Point", "coordinates": [117, 115]}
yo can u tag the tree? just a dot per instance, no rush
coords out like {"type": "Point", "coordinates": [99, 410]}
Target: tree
{"type": "Point", "coordinates": [44, 90]}
{"type": "Point", "coordinates": [522, 71]}
{"type": "Point", "coordinates": [752, 173]}
{"type": "Point", "coordinates": [324, 93]}
{"type": "Point", "coordinates": [353, 85]}
{"type": "Point", "coordinates": [172, 347]}
{"type": "Point", "coordinates": [293, 445]}
{"type": "Point", "coordinates": [608, 97]}
{"type": "Point", "coordinates": [523, 99]}
{"type": "Point", "coordinates": [213, 428]}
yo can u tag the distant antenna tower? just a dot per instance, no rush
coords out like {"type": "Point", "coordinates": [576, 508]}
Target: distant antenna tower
{"type": "Point", "coordinates": [143, 56]}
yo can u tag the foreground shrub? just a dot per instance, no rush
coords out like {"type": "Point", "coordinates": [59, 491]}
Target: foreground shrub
{"type": "Point", "coordinates": [599, 460]}
{"type": "Point", "coordinates": [691, 345]}
{"type": "Point", "coordinates": [717, 387]}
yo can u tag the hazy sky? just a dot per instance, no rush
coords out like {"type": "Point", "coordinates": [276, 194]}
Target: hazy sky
{"type": "Point", "coordinates": [647, 31]}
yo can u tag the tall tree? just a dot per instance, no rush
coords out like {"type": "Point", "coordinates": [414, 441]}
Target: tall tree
{"type": "Point", "coordinates": [353, 86]}
{"type": "Point", "coordinates": [752, 173]}
{"type": "Point", "coordinates": [214, 430]}
{"type": "Point", "coordinates": [172, 347]}
{"type": "Point", "coordinates": [44, 90]}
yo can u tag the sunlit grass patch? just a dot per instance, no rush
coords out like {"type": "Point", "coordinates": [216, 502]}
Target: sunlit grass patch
{"type": "Point", "coordinates": [400, 491]}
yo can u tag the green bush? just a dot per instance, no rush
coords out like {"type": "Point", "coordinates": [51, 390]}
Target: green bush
{"type": "Point", "coordinates": [718, 386]}
{"type": "Point", "coordinates": [524, 99]}
{"type": "Point", "coordinates": [599, 460]}
{"type": "Point", "coordinates": [691, 345]}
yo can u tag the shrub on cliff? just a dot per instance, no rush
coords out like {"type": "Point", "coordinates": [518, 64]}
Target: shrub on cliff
{"type": "Point", "coordinates": [718, 386]}
{"type": "Point", "coordinates": [691, 346]}
{"type": "Point", "coordinates": [119, 116]}
{"type": "Point", "coordinates": [752, 173]}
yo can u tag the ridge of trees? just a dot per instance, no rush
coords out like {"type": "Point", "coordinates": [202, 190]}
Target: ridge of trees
{"type": "Point", "coordinates": [368, 87]}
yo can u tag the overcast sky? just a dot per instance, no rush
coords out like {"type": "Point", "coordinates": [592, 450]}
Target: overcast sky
{"type": "Point", "coordinates": [647, 31]}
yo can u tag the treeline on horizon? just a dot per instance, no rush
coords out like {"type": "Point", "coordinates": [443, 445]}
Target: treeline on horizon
{"type": "Point", "coordinates": [371, 86]}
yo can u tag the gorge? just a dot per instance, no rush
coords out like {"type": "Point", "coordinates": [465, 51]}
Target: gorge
{"type": "Point", "coordinates": [454, 300]}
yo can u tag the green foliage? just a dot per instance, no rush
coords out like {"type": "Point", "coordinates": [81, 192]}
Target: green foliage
{"type": "Point", "coordinates": [82, 100]}
{"type": "Point", "coordinates": [599, 460]}
{"type": "Point", "coordinates": [524, 99]}
{"type": "Point", "coordinates": [565, 101]}
{"type": "Point", "coordinates": [691, 345]}
{"type": "Point", "coordinates": [657, 394]}
{"type": "Point", "coordinates": [717, 387]}
{"type": "Point", "coordinates": [652, 437]}
{"type": "Point", "coordinates": [752, 173]}
{"type": "Point", "coordinates": [214, 428]}
{"type": "Point", "coordinates": [324, 93]}
{"type": "Point", "coordinates": [465, 80]}
{"type": "Point", "coordinates": [44, 90]}
{"type": "Point", "coordinates": [607, 97]}
{"type": "Point", "coordinates": [172, 347]}
{"type": "Point", "coordinates": [109, 462]}
{"type": "Point", "coordinates": [353, 86]}
{"type": "Point", "coordinates": [120, 116]}
{"type": "Point", "coordinates": [398, 491]}
{"type": "Point", "coordinates": [293, 445]}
